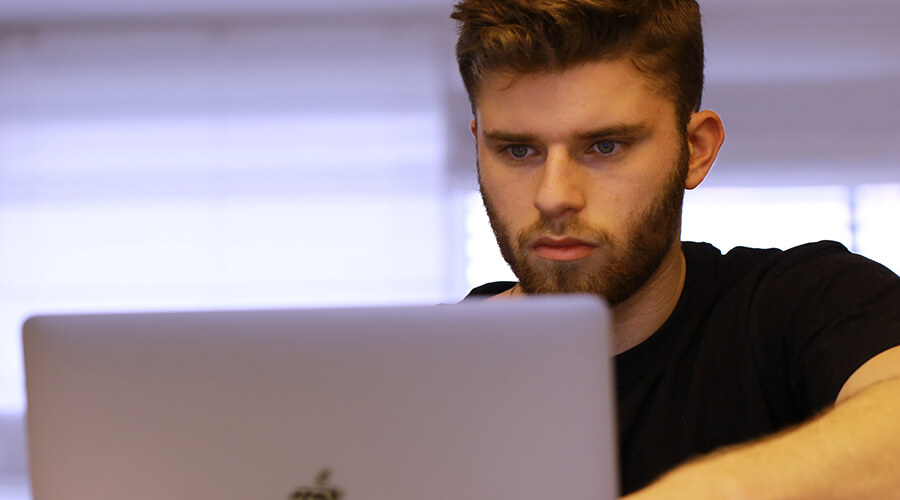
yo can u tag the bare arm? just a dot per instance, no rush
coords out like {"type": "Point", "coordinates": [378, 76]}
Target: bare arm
{"type": "Point", "coordinates": [850, 451]}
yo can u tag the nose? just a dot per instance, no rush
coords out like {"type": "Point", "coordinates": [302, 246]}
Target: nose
{"type": "Point", "coordinates": [560, 194]}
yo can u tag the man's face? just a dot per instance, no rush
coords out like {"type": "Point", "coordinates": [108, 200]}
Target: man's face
{"type": "Point", "coordinates": [582, 173]}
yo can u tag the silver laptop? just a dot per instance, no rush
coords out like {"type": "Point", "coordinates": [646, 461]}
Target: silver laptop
{"type": "Point", "coordinates": [505, 400]}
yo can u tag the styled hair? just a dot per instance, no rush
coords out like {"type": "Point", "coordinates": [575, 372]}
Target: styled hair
{"type": "Point", "coordinates": [662, 38]}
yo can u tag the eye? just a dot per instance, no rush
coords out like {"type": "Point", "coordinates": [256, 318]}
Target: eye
{"type": "Point", "coordinates": [518, 151]}
{"type": "Point", "coordinates": [605, 147]}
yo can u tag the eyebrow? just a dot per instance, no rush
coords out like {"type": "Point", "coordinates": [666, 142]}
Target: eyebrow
{"type": "Point", "coordinates": [629, 129]}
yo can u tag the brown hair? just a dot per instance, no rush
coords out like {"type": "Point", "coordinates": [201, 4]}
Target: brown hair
{"type": "Point", "coordinates": [662, 38]}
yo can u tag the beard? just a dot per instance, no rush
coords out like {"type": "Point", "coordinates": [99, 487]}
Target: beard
{"type": "Point", "coordinates": [628, 263]}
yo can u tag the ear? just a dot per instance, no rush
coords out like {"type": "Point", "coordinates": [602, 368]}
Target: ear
{"type": "Point", "coordinates": [474, 127]}
{"type": "Point", "coordinates": [705, 136]}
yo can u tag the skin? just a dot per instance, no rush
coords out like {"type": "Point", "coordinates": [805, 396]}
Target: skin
{"type": "Point", "coordinates": [566, 185]}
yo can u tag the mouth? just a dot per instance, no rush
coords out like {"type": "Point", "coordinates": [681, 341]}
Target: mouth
{"type": "Point", "coordinates": [562, 249]}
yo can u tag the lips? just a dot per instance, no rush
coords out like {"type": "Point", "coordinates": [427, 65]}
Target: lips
{"type": "Point", "coordinates": [562, 249]}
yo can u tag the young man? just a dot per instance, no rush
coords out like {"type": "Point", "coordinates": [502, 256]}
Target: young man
{"type": "Point", "coordinates": [588, 129]}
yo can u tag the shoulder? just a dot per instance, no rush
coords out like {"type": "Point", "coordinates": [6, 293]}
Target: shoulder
{"type": "Point", "coordinates": [780, 297]}
{"type": "Point", "coordinates": [703, 258]}
{"type": "Point", "coordinates": [811, 315]}
{"type": "Point", "coordinates": [489, 289]}
{"type": "Point", "coordinates": [811, 262]}
{"type": "Point", "coordinates": [826, 264]}
{"type": "Point", "coordinates": [822, 276]}
{"type": "Point", "coordinates": [748, 256]}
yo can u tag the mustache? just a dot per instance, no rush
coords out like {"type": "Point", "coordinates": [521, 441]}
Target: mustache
{"type": "Point", "coordinates": [568, 228]}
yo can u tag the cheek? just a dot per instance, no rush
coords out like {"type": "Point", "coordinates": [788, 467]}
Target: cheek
{"type": "Point", "coordinates": [512, 194]}
{"type": "Point", "coordinates": [509, 208]}
{"type": "Point", "coordinates": [614, 202]}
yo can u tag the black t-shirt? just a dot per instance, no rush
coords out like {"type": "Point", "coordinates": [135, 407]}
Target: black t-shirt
{"type": "Point", "coordinates": [759, 340]}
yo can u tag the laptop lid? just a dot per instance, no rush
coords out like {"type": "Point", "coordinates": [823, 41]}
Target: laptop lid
{"type": "Point", "coordinates": [486, 400]}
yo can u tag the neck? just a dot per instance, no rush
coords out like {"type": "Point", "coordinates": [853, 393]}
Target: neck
{"type": "Point", "coordinates": [639, 317]}
{"type": "Point", "coordinates": [642, 314]}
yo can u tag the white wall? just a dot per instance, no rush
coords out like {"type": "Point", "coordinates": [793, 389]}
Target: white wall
{"type": "Point", "coordinates": [265, 162]}
{"type": "Point", "coordinates": [807, 91]}
{"type": "Point", "coordinates": [243, 153]}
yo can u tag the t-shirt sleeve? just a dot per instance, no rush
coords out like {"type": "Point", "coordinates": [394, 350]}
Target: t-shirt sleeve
{"type": "Point", "coordinates": [834, 311]}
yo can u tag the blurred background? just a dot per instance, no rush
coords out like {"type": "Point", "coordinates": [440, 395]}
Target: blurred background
{"type": "Point", "coordinates": [207, 154]}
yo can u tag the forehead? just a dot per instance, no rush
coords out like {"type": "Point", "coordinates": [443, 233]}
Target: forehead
{"type": "Point", "coordinates": [594, 94]}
